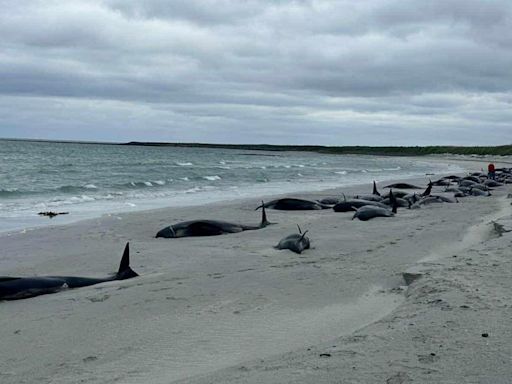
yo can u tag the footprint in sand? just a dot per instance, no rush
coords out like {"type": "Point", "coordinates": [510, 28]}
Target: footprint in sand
{"type": "Point", "coordinates": [97, 299]}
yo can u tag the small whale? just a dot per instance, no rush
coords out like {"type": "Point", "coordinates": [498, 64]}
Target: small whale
{"type": "Point", "coordinates": [292, 204]}
{"type": "Point", "coordinates": [478, 192]}
{"type": "Point", "coordinates": [369, 198]}
{"type": "Point", "coordinates": [427, 200]}
{"type": "Point", "coordinates": [354, 204]}
{"type": "Point", "coordinates": [209, 227]}
{"type": "Point", "coordinates": [368, 212]}
{"type": "Point", "coordinates": [296, 242]}
{"type": "Point", "coordinates": [402, 186]}
{"type": "Point", "coordinates": [15, 288]}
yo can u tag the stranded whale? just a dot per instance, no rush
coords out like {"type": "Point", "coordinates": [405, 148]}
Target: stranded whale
{"type": "Point", "coordinates": [296, 242]}
{"type": "Point", "coordinates": [292, 204]}
{"type": "Point", "coordinates": [14, 288]}
{"type": "Point", "coordinates": [209, 227]}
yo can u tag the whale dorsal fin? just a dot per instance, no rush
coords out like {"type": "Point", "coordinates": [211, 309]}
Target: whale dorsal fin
{"type": "Point", "coordinates": [125, 260]}
{"type": "Point", "coordinates": [375, 192]}
{"type": "Point", "coordinates": [264, 221]}
{"type": "Point", "coordinates": [125, 272]}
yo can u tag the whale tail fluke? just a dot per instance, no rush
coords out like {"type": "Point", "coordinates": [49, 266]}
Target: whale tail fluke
{"type": "Point", "coordinates": [429, 189]}
{"type": "Point", "coordinates": [125, 272]}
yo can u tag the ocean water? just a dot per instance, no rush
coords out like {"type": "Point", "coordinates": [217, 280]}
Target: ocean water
{"type": "Point", "coordinates": [88, 180]}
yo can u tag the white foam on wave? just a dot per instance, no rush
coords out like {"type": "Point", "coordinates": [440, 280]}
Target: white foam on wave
{"type": "Point", "coordinates": [159, 182]}
{"type": "Point", "coordinates": [185, 164]}
{"type": "Point", "coordinates": [193, 190]}
{"type": "Point", "coordinates": [184, 178]}
{"type": "Point", "coordinates": [148, 183]}
{"type": "Point", "coordinates": [212, 178]}
{"type": "Point", "coordinates": [79, 199]}
{"type": "Point", "coordinates": [90, 186]}
{"type": "Point", "coordinates": [341, 172]}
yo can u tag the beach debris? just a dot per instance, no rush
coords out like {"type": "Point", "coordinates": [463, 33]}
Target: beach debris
{"type": "Point", "coordinates": [485, 334]}
{"type": "Point", "coordinates": [325, 355]}
{"type": "Point", "coordinates": [52, 214]}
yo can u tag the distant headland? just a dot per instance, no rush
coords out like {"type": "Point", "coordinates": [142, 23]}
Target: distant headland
{"type": "Point", "coordinates": [502, 150]}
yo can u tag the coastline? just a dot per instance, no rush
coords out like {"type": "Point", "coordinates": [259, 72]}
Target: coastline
{"type": "Point", "coordinates": [14, 224]}
{"type": "Point", "coordinates": [211, 309]}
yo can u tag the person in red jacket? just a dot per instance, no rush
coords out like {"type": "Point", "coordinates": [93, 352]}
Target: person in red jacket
{"type": "Point", "coordinates": [491, 171]}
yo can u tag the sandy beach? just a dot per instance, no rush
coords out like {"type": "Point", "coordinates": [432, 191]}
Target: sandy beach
{"type": "Point", "coordinates": [232, 309]}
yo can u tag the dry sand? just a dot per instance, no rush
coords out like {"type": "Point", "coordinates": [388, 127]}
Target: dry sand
{"type": "Point", "coordinates": [231, 309]}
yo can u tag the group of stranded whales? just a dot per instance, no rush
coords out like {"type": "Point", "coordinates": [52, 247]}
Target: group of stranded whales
{"type": "Point", "coordinates": [366, 207]}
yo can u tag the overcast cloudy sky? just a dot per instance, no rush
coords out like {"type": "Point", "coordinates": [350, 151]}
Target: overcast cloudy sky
{"type": "Point", "coordinates": [245, 71]}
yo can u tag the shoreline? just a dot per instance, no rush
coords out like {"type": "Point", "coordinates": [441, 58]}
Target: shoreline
{"type": "Point", "coordinates": [223, 309]}
{"type": "Point", "coordinates": [145, 206]}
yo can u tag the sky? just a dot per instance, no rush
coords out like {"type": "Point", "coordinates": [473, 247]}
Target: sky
{"type": "Point", "coordinates": [324, 72]}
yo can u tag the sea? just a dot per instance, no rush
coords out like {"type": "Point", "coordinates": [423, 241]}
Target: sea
{"type": "Point", "coordinates": [88, 180]}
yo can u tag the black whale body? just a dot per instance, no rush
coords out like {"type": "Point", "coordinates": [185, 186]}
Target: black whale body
{"type": "Point", "coordinates": [353, 204]}
{"type": "Point", "coordinates": [195, 228]}
{"type": "Point", "coordinates": [293, 204]}
{"type": "Point", "coordinates": [14, 288]}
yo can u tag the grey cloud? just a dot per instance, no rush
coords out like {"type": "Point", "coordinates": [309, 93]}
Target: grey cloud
{"type": "Point", "coordinates": [317, 71]}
